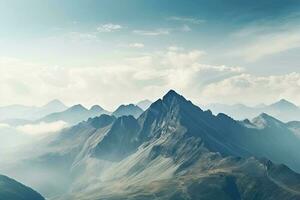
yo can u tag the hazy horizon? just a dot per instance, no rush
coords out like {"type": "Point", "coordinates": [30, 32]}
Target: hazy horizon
{"type": "Point", "coordinates": [88, 106]}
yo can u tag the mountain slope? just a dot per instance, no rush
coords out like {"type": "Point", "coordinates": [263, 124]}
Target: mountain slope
{"type": "Point", "coordinates": [294, 126]}
{"type": "Point", "coordinates": [12, 190]}
{"type": "Point", "coordinates": [212, 177]}
{"type": "Point", "coordinates": [58, 157]}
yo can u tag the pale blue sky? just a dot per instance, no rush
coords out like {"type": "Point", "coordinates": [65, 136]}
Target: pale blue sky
{"type": "Point", "coordinates": [113, 51]}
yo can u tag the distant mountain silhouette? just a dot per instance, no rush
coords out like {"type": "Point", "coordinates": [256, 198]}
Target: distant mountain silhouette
{"type": "Point", "coordinates": [13, 113]}
{"type": "Point", "coordinates": [282, 110]}
{"type": "Point", "coordinates": [75, 114]}
{"type": "Point", "coordinates": [97, 109]}
{"type": "Point", "coordinates": [283, 104]}
{"type": "Point", "coordinates": [125, 110]}
{"type": "Point", "coordinates": [145, 104]}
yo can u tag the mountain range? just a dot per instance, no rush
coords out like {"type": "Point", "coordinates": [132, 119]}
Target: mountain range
{"type": "Point", "coordinates": [16, 115]}
{"type": "Point", "coordinates": [74, 114]}
{"type": "Point", "coordinates": [282, 110]}
{"type": "Point", "coordinates": [79, 113]}
{"type": "Point", "coordinates": [173, 150]}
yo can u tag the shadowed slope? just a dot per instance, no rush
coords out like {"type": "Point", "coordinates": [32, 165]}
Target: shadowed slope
{"type": "Point", "coordinates": [13, 190]}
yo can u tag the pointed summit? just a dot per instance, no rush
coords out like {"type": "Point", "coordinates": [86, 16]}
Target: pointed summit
{"type": "Point", "coordinates": [77, 107]}
{"type": "Point", "coordinates": [265, 120]}
{"type": "Point", "coordinates": [172, 95]}
{"type": "Point", "coordinates": [283, 104]}
{"type": "Point", "coordinates": [265, 116]}
{"type": "Point", "coordinates": [55, 104]}
{"type": "Point", "coordinates": [125, 110]}
{"type": "Point", "coordinates": [96, 108]}
{"type": "Point", "coordinates": [172, 100]}
{"type": "Point", "coordinates": [145, 104]}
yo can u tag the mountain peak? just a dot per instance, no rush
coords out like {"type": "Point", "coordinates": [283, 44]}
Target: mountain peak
{"type": "Point", "coordinates": [265, 116]}
{"type": "Point", "coordinates": [96, 108]}
{"type": "Point", "coordinates": [55, 103]}
{"type": "Point", "coordinates": [77, 107]}
{"type": "Point", "coordinates": [283, 103]}
{"type": "Point", "coordinates": [145, 101]}
{"type": "Point", "coordinates": [129, 106]}
{"type": "Point", "coordinates": [129, 109]}
{"type": "Point", "coordinates": [101, 121]}
{"type": "Point", "coordinates": [172, 95]}
{"type": "Point", "coordinates": [145, 104]}
{"type": "Point", "coordinates": [265, 120]}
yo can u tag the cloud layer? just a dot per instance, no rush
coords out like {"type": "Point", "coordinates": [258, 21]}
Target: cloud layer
{"type": "Point", "coordinates": [251, 89]}
{"type": "Point", "coordinates": [106, 28]}
{"type": "Point", "coordinates": [136, 78]}
{"type": "Point", "coordinates": [42, 128]}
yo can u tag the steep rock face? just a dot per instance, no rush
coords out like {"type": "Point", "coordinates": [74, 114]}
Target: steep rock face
{"type": "Point", "coordinates": [175, 114]}
{"type": "Point", "coordinates": [120, 140]}
{"type": "Point", "coordinates": [221, 133]}
{"type": "Point", "coordinates": [13, 190]}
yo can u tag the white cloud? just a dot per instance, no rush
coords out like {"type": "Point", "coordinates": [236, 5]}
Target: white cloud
{"type": "Point", "coordinates": [78, 36]}
{"type": "Point", "coordinates": [182, 59]}
{"type": "Point", "coordinates": [185, 28]}
{"type": "Point", "coordinates": [156, 72]}
{"type": "Point", "coordinates": [187, 19]}
{"type": "Point", "coordinates": [42, 128]}
{"type": "Point", "coordinates": [251, 89]}
{"type": "Point", "coordinates": [137, 77]}
{"type": "Point", "coordinates": [180, 70]}
{"type": "Point", "coordinates": [3, 125]}
{"type": "Point", "coordinates": [106, 28]}
{"type": "Point", "coordinates": [155, 32]}
{"type": "Point", "coordinates": [137, 45]}
{"type": "Point", "coordinates": [174, 48]}
{"type": "Point", "coordinates": [145, 61]}
{"type": "Point", "coordinates": [262, 39]}
{"type": "Point", "coordinates": [269, 44]}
